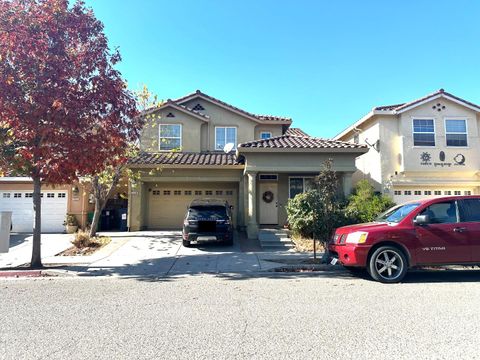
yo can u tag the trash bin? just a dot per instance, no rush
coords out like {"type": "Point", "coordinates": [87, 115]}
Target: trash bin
{"type": "Point", "coordinates": [5, 225]}
{"type": "Point", "coordinates": [123, 219]}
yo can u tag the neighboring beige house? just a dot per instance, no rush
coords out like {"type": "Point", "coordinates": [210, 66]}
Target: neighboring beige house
{"type": "Point", "coordinates": [428, 147]}
{"type": "Point", "coordinates": [16, 196]}
{"type": "Point", "coordinates": [199, 146]}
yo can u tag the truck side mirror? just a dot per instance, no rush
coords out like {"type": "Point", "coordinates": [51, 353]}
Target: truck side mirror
{"type": "Point", "coordinates": [422, 220]}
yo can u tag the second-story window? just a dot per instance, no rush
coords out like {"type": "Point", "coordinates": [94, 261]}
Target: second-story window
{"type": "Point", "coordinates": [423, 132]}
{"type": "Point", "coordinates": [170, 137]}
{"type": "Point", "coordinates": [456, 132]}
{"type": "Point", "coordinates": [265, 135]}
{"type": "Point", "coordinates": [225, 135]}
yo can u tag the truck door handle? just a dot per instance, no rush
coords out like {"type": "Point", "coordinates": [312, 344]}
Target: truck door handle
{"type": "Point", "coordinates": [459, 229]}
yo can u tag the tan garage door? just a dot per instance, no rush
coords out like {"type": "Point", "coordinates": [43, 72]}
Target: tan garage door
{"type": "Point", "coordinates": [167, 203]}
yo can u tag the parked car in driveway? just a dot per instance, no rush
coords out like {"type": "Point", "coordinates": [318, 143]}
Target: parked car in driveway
{"type": "Point", "coordinates": [208, 220]}
{"type": "Point", "coordinates": [441, 231]}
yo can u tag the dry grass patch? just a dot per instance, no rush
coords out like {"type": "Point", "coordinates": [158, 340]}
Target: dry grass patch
{"type": "Point", "coordinates": [84, 245]}
{"type": "Point", "coordinates": [305, 244]}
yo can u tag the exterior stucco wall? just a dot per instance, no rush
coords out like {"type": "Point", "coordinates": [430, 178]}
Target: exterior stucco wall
{"type": "Point", "coordinates": [298, 162]}
{"type": "Point", "coordinates": [369, 164]}
{"type": "Point", "coordinates": [222, 117]}
{"type": "Point", "coordinates": [411, 153]}
{"type": "Point", "coordinates": [275, 130]}
{"type": "Point", "coordinates": [191, 130]}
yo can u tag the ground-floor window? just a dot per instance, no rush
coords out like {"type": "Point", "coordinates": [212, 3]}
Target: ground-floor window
{"type": "Point", "coordinates": [300, 184]}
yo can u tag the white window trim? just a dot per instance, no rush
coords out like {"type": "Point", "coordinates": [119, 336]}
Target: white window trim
{"type": "Point", "coordinates": [225, 128]}
{"type": "Point", "coordinates": [434, 131]}
{"type": "Point", "coordinates": [303, 183]}
{"type": "Point", "coordinates": [466, 130]}
{"type": "Point", "coordinates": [169, 137]}
{"type": "Point", "coordinates": [266, 132]}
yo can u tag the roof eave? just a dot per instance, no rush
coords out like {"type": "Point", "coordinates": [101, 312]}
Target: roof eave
{"type": "Point", "coordinates": [176, 107]}
{"type": "Point", "coordinates": [229, 108]}
{"type": "Point", "coordinates": [301, 150]}
{"type": "Point", "coordinates": [179, 166]}
{"type": "Point", "coordinates": [437, 96]}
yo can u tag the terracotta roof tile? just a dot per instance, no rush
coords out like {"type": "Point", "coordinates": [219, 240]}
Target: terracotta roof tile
{"type": "Point", "coordinates": [299, 142]}
{"type": "Point", "coordinates": [296, 132]}
{"type": "Point", "coordinates": [249, 114]}
{"type": "Point", "coordinates": [184, 158]}
{"type": "Point", "coordinates": [388, 107]}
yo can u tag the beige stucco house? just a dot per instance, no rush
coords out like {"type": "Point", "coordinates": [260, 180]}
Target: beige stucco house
{"type": "Point", "coordinates": [428, 147]}
{"type": "Point", "coordinates": [199, 146]}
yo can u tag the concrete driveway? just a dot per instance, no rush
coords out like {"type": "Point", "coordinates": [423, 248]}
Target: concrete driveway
{"type": "Point", "coordinates": [160, 253]}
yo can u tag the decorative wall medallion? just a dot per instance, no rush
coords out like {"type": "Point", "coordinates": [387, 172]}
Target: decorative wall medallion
{"type": "Point", "coordinates": [459, 159]}
{"type": "Point", "coordinates": [425, 158]}
{"type": "Point", "coordinates": [442, 156]}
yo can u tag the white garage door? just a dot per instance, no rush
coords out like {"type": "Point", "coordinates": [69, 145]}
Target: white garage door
{"type": "Point", "coordinates": [168, 202]}
{"type": "Point", "coordinates": [401, 196]}
{"type": "Point", "coordinates": [20, 203]}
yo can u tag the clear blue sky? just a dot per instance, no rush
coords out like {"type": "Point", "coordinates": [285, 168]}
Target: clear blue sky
{"type": "Point", "coordinates": [323, 63]}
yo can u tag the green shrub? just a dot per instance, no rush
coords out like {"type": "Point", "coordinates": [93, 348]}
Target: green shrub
{"type": "Point", "coordinates": [365, 204]}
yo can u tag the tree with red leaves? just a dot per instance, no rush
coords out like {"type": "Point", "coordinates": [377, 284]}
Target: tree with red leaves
{"type": "Point", "coordinates": [65, 110]}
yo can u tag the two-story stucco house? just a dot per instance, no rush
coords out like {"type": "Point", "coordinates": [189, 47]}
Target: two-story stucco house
{"type": "Point", "coordinates": [428, 147]}
{"type": "Point", "coordinates": [201, 147]}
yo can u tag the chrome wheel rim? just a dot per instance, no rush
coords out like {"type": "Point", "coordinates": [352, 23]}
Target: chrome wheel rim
{"type": "Point", "coordinates": [389, 264]}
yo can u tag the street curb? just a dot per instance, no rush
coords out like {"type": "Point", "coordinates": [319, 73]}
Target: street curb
{"type": "Point", "coordinates": [20, 273]}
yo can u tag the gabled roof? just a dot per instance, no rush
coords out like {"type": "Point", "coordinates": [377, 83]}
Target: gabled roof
{"type": "Point", "coordinates": [187, 158]}
{"type": "Point", "coordinates": [179, 107]}
{"type": "Point", "coordinates": [400, 108]}
{"type": "Point", "coordinates": [251, 116]}
{"type": "Point", "coordinates": [296, 131]}
{"type": "Point", "coordinates": [300, 143]}
{"type": "Point", "coordinates": [432, 96]}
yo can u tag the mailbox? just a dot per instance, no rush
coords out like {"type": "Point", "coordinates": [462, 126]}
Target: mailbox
{"type": "Point", "coordinates": [5, 225]}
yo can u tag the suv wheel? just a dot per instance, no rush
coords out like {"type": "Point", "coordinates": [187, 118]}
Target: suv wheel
{"type": "Point", "coordinates": [186, 243]}
{"type": "Point", "coordinates": [387, 265]}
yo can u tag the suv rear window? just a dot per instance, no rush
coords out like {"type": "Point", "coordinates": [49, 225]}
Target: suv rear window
{"type": "Point", "coordinates": [470, 210]}
{"type": "Point", "coordinates": [207, 212]}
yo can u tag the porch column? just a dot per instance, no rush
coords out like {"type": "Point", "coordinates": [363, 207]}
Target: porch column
{"type": "Point", "coordinates": [347, 184]}
{"type": "Point", "coordinates": [252, 226]}
{"type": "Point", "coordinates": [241, 203]}
{"type": "Point", "coordinates": [135, 199]}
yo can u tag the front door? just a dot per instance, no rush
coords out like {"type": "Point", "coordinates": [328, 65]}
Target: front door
{"type": "Point", "coordinates": [268, 203]}
{"type": "Point", "coordinates": [443, 240]}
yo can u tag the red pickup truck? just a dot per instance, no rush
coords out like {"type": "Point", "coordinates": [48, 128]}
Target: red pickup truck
{"type": "Point", "coordinates": [440, 231]}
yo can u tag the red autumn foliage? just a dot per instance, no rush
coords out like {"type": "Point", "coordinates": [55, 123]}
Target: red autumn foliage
{"type": "Point", "coordinates": [66, 106]}
{"type": "Point", "coordinates": [65, 111]}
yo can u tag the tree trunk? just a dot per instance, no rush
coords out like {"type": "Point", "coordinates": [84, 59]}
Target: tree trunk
{"type": "Point", "coordinates": [96, 217]}
{"type": "Point", "coordinates": [37, 226]}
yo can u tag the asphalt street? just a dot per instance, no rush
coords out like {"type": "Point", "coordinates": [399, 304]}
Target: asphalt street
{"type": "Point", "coordinates": [268, 316]}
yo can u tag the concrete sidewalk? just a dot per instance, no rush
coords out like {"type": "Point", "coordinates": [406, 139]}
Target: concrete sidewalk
{"type": "Point", "coordinates": [20, 252]}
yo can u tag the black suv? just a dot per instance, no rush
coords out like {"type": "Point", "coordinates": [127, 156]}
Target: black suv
{"type": "Point", "coordinates": [208, 220]}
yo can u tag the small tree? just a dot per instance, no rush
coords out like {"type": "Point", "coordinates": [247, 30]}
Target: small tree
{"type": "Point", "coordinates": [64, 107]}
{"type": "Point", "coordinates": [104, 183]}
{"type": "Point", "coordinates": [330, 215]}
{"type": "Point", "coordinates": [318, 212]}
{"type": "Point", "coordinates": [365, 204]}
